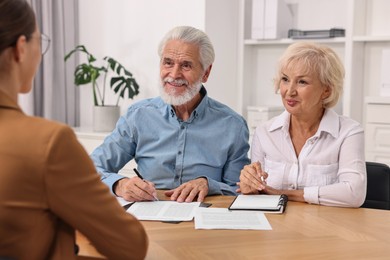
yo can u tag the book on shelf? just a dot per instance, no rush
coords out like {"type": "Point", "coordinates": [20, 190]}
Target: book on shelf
{"type": "Point", "coordinates": [316, 34]}
{"type": "Point", "coordinates": [262, 202]}
{"type": "Point", "coordinates": [271, 19]}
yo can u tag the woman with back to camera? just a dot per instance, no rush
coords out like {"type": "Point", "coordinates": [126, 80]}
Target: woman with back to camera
{"type": "Point", "coordinates": [48, 184]}
{"type": "Point", "coordinates": [309, 152]}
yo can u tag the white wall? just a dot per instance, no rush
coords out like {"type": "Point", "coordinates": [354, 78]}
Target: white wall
{"type": "Point", "coordinates": [222, 27]}
{"type": "Point", "coordinates": [130, 31]}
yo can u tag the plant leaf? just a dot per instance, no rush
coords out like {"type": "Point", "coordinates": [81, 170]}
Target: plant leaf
{"type": "Point", "coordinates": [123, 83]}
{"type": "Point", "coordinates": [85, 73]}
{"type": "Point", "coordinates": [80, 48]}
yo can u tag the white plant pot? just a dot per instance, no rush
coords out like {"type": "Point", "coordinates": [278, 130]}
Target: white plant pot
{"type": "Point", "coordinates": [105, 118]}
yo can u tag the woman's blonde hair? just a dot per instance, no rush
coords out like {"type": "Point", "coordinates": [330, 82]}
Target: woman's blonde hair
{"type": "Point", "coordinates": [318, 59]}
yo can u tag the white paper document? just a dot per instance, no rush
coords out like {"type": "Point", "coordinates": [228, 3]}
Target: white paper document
{"type": "Point", "coordinates": [164, 210]}
{"type": "Point", "coordinates": [221, 218]}
{"type": "Point", "coordinates": [123, 202]}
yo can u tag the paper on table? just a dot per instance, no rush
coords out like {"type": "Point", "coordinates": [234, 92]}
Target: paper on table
{"type": "Point", "coordinates": [263, 203]}
{"type": "Point", "coordinates": [164, 210]}
{"type": "Point", "coordinates": [257, 201]}
{"type": "Point", "coordinates": [221, 218]}
{"type": "Point", "coordinates": [123, 202]}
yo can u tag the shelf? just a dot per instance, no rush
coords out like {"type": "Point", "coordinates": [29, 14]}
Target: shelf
{"type": "Point", "coordinates": [383, 38]}
{"type": "Point", "coordinates": [289, 41]}
{"type": "Point", "coordinates": [377, 100]}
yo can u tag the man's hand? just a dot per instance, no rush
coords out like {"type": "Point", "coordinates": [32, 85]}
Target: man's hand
{"type": "Point", "coordinates": [189, 190]}
{"type": "Point", "coordinates": [252, 179]}
{"type": "Point", "coordinates": [135, 189]}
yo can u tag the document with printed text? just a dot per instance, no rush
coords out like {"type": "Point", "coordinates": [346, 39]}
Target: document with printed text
{"type": "Point", "coordinates": [221, 218]}
{"type": "Point", "coordinates": [164, 210]}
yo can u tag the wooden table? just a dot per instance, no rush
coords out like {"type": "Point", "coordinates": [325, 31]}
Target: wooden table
{"type": "Point", "coordinates": [303, 232]}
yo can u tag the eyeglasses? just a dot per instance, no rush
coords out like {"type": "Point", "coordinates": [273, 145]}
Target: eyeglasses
{"type": "Point", "coordinates": [45, 43]}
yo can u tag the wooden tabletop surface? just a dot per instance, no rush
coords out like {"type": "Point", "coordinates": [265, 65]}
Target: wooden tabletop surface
{"type": "Point", "coordinates": [304, 231]}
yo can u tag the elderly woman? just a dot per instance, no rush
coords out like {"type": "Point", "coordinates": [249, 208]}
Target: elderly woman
{"type": "Point", "coordinates": [48, 184]}
{"type": "Point", "coordinates": [309, 152]}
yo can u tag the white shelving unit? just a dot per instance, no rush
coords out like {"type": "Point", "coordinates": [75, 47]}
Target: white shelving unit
{"type": "Point", "coordinates": [377, 129]}
{"type": "Point", "coordinates": [367, 34]}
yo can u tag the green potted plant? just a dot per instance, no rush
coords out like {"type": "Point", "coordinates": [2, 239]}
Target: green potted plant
{"type": "Point", "coordinates": [121, 81]}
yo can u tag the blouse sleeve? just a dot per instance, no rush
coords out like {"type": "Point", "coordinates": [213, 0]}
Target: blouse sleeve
{"type": "Point", "coordinates": [350, 190]}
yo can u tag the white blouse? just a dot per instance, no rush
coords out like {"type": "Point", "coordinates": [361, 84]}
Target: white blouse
{"type": "Point", "coordinates": [330, 168]}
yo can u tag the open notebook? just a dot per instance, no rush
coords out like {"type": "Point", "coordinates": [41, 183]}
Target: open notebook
{"type": "Point", "coordinates": [264, 203]}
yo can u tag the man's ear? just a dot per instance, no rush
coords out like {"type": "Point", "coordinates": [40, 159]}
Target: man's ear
{"type": "Point", "coordinates": [206, 74]}
{"type": "Point", "coordinates": [20, 48]}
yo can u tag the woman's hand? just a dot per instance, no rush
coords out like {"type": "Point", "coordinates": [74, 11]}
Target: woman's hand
{"type": "Point", "coordinates": [252, 179]}
{"type": "Point", "coordinates": [293, 195]}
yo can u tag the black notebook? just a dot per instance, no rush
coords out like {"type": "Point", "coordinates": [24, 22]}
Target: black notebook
{"type": "Point", "coordinates": [265, 203]}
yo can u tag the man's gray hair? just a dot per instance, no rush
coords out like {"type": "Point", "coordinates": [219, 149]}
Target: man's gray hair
{"type": "Point", "coordinates": [191, 35]}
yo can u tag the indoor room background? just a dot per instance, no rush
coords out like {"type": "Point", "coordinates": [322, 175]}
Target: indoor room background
{"type": "Point", "coordinates": [241, 77]}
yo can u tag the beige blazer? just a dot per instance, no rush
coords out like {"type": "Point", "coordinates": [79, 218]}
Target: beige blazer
{"type": "Point", "coordinates": [49, 187]}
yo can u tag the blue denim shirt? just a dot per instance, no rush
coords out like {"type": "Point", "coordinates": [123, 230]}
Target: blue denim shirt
{"type": "Point", "coordinates": [212, 143]}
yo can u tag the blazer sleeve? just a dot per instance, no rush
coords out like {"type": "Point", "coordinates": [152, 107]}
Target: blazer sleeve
{"type": "Point", "coordinates": [76, 195]}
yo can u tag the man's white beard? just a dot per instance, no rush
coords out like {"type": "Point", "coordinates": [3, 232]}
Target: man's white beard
{"type": "Point", "coordinates": [169, 97]}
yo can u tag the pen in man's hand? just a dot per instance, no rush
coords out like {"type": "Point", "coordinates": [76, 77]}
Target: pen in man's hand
{"type": "Point", "coordinates": [138, 174]}
{"type": "Point", "coordinates": [142, 178]}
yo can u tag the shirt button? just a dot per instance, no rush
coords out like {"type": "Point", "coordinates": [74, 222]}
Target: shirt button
{"type": "Point", "coordinates": [179, 152]}
{"type": "Point", "coordinates": [182, 127]}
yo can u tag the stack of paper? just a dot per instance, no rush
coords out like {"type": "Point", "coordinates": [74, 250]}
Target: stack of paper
{"type": "Point", "coordinates": [220, 218]}
{"type": "Point", "coordinates": [205, 218]}
{"type": "Point", "coordinates": [164, 210]}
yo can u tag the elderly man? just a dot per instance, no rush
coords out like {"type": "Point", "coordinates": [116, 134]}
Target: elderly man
{"type": "Point", "coordinates": [183, 141]}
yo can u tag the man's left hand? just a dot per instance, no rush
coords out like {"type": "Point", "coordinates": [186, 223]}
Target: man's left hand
{"type": "Point", "coordinates": [189, 190]}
